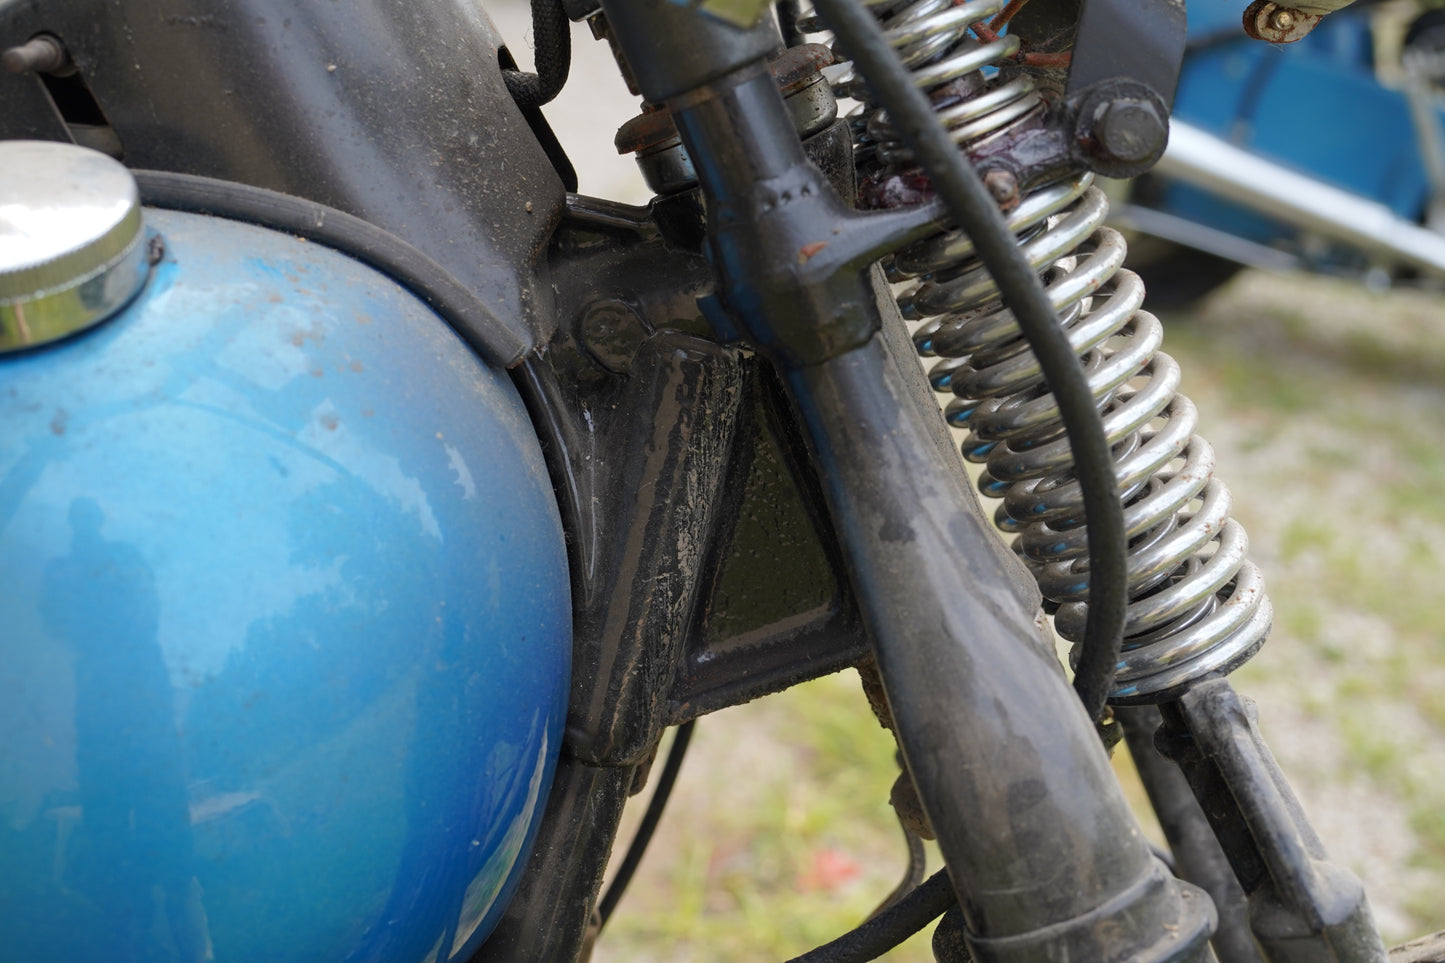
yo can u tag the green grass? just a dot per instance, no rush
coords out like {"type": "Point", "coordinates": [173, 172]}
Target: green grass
{"type": "Point", "coordinates": [779, 839]}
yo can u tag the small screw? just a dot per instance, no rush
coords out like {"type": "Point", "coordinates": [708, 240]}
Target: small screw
{"type": "Point", "coordinates": [1003, 187]}
{"type": "Point", "coordinates": [42, 54]}
{"type": "Point", "coordinates": [1131, 130]}
{"type": "Point", "coordinates": [155, 250]}
{"type": "Point", "coordinates": [612, 332]}
{"type": "Point", "coordinates": [1282, 19]}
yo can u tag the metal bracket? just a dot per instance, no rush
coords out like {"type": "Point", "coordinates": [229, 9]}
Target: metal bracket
{"type": "Point", "coordinates": [1122, 75]}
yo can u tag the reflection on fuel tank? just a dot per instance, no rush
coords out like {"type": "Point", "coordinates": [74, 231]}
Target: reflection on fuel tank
{"type": "Point", "coordinates": [132, 853]}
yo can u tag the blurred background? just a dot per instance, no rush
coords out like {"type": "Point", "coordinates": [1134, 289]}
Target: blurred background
{"type": "Point", "coordinates": [1325, 402]}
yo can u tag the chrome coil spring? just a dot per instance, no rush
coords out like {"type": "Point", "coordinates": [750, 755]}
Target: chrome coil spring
{"type": "Point", "coordinates": [1196, 605]}
{"type": "Point", "coordinates": [931, 37]}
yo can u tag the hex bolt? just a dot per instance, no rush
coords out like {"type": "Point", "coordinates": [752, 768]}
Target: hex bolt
{"type": "Point", "coordinates": [612, 332]}
{"type": "Point", "coordinates": [42, 54]}
{"type": "Point", "coordinates": [1130, 130]}
{"type": "Point", "coordinates": [1003, 186]}
{"type": "Point", "coordinates": [1273, 23]}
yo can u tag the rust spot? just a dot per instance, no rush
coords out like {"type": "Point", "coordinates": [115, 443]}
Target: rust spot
{"type": "Point", "coordinates": [274, 298]}
{"type": "Point", "coordinates": [899, 189]}
{"type": "Point", "coordinates": [356, 366]}
{"type": "Point", "coordinates": [367, 412]}
{"type": "Point", "coordinates": [1278, 24]}
{"type": "Point", "coordinates": [329, 421]}
{"type": "Point", "coordinates": [57, 424]}
{"type": "Point", "coordinates": [798, 66]}
{"type": "Point", "coordinates": [1061, 59]}
{"type": "Point", "coordinates": [806, 252]}
{"type": "Point", "coordinates": [318, 373]}
{"type": "Point", "coordinates": [653, 128]}
{"type": "Point", "coordinates": [315, 333]}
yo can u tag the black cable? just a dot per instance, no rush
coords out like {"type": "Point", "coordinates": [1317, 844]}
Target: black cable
{"type": "Point", "coordinates": [350, 235]}
{"type": "Point", "coordinates": [648, 826]}
{"type": "Point", "coordinates": [889, 928]}
{"type": "Point", "coordinates": [970, 204]}
{"type": "Point", "coordinates": [552, 36]}
{"type": "Point", "coordinates": [788, 13]}
{"type": "Point", "coordinates": [912, 872]}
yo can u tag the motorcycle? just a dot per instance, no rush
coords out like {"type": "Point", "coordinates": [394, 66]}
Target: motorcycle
{"type": "Point", "coordinates": [1322, 155]}
{"type": "Point", "coordinates": [373, 502]}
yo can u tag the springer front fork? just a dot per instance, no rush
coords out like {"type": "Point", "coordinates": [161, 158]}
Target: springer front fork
{"type": "Point", "coordinates": [1196, 605]}
{"type": "Point", "coordinates": [1042, 850]}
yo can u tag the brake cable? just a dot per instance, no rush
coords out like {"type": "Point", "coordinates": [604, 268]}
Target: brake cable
{"type": "Point", "coordinates": [650, 818]}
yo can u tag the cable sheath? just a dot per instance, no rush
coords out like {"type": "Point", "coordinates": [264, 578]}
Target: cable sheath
{"type": "Point", "coordinates": [890, 927]}
{"type": "Point", "coordinates": [650, 819]}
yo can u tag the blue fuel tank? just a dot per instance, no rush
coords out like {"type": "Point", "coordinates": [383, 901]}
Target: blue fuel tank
{"type": "Point", "coordinates": [284, 624]}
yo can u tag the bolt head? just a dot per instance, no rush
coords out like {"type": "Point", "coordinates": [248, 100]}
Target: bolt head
{"type": "Point", "coordinates": [1002, 185]}
{"type": "Point", "coordinates": [1282, 19]}
{"type": "Point", "coordinates": [1131, 130]}
{"type": "Point", "coordinates": [612, 333]}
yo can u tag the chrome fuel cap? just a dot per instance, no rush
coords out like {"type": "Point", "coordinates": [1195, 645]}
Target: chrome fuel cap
{"type": "Point", "coordinates": [72, 241]}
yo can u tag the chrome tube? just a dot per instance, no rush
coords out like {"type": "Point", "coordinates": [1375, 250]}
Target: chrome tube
{"type": "Point", "coordinates": [1215, 165]}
